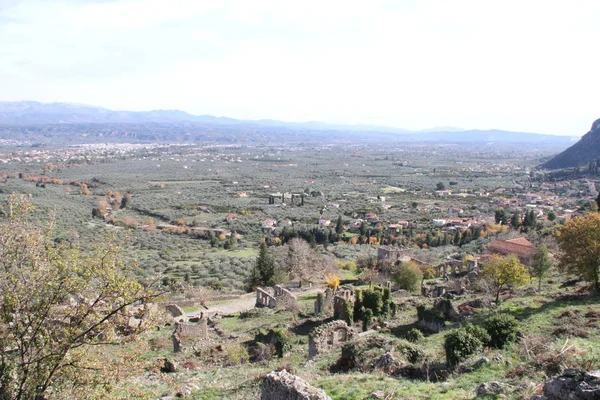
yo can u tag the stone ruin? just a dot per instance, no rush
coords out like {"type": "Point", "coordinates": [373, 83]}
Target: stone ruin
{"type": "Point", "coordinates": [342, 295]}
{"type": "Point", "coordinates": [187, 335]}
{"type": "Point", "coordinates": [281, 385]}
{"type": "Point", "coordinates": [456, 268]}
{"type": "Point", "coordinates": [324, 302]}
{"type": "Point", "coordinates": [276, 297]}
{"type": "Point", "coordinates": [328, 336]}
{"type": "Point", "coordinates": [333, 301]}
{"type": "Point", "coordinates": [174, 310]}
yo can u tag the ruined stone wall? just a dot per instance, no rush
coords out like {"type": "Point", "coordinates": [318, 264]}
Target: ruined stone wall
{"type": "Point", "coordinates": [328, 336]}
{"type": "Point", "coordinates": [187, 335]}
{"type": "Point", "coordinates": [264, 298]}
{"type": "Point", "coordinates": [174, 310]}
{"type": "Point", "coordinates": [284, 298]}
{"type": "Point", "coordinates": [282, 385]}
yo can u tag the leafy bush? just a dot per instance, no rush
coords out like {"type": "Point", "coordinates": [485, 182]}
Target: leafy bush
{"type": "Point", "coordinates": [479, 332]}
{"type": "Point", "coordinates": [429, 314]}
{"type": "Point", "coordinates": [373, 300]}
{"type": "Point", "coordinates": [411, 351]}
{"type": "Point", "coordinates": [408, 276]}
{"type": "Point", "coordinates": [460, 344]}
{"type": "Point", "coordinates": [367, 318]}
{"type": "Point", "coordinates": [414, 335]}
{"type": "Point", "coordinates": [502, 328]}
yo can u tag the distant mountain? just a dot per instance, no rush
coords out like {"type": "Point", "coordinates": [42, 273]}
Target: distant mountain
{"type": "Point", "coordinates": [585, 150]}
{"type": "Point", "coordinates": [66, 122]}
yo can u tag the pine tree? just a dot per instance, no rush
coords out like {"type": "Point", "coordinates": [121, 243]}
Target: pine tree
{"type": "Point", "coordinates": [339, 226]}
{"type": "Point", "coordinates": [263, 272]}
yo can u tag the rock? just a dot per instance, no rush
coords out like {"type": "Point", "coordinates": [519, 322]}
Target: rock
{"type": "Point", "coordinates": [538, 397]}
{"type": "Point", "coordinates": [574, 385]}
{"type": "Point", "coordinates": [488, 388]}
{"type": "Point", "coordinates": [169, 367]}
{"type": "Point", "coordinates": [481, 362]}
{"type": "Point", "coordinates": [378, 394]}
{"type": "Point", "coordinates": [185, 392]}
{"type": "Point", "coordinates": [281, 385]}
{"type": "Point", "coordinates": [498, 357]}
{"type": "Point", "coordinates": [386, 362]}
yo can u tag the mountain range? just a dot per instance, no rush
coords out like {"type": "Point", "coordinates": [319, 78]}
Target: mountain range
{"type": "Point", "coordinates": [67, 122]}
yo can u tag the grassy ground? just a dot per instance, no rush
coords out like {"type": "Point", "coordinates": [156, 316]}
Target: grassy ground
{"type": "Point", "coordinates": [229, 375]}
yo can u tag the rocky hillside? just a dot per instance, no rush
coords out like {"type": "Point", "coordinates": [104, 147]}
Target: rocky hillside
{"type": "Point", "coordinates": [585, 150]}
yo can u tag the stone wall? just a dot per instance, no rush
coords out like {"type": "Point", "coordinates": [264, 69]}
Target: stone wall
{"type": "Point", "coordinates": [187, 335]}
{"type": "Point", "coordinates": [284, 298]}
{"type": "Point", "coordinates": [328, 336]}
{"type": "Point", "coordinates": [276, 297]}
{"type": "Point", "coordinates": [264, 298]}
{"type": "Point", "coordinates": [281, 385]}
{"type": "Point", "coordinates": [174, 310]}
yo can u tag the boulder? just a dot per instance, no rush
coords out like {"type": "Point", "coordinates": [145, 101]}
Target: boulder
{"type": "Point", "coordinates": [574, 385]}
{"type": "Point", "coordinates": [281, 385]}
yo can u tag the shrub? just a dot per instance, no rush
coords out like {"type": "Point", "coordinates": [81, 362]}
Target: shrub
{"type": "Point", "coordinates": [411, 351]}
{"type": "Point", "coordinates": [414, 335]}
{"type": "Point", "coordinates": [479, 332]}
{"type": "Point", "coordinates": [460, 344]}
{"type": "Point", "coordinates": [332, 281]}
{"type": "Point", "coordinates": [373, 300]}
{"type": "Point", "coordinates": [502, 328]}
{"type": "Point", "coordinates": [367, 318]}
{"type": "Point", "coordinates": [408, 276]}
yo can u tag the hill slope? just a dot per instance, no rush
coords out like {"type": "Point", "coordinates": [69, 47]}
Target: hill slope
{"type": "Point", "coordinates": [585, 150]}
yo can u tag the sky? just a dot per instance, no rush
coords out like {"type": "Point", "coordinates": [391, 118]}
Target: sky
{"type": "Point", "coordinates": [526, 65]}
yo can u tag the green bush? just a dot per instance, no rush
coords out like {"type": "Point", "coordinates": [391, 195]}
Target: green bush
{"type": "Point", "coordinates": [429, 314]}
{"type": "Point", "coordinates": [411, 351]}
{"type": "Point", "coordinates": [460, 344]}
{"type": "Point", "coordinates": [367, 318]}
{"type": "Point", "coordinates": [479, 332]}
{"type": "Point", "coordinates": [373, 300]}
{"type": "Point", "coordinates": [414, 335]}
{"type": "Point", "coordinates": [502, 328]}
{"type": "Point", "coordinates": [408, 276]}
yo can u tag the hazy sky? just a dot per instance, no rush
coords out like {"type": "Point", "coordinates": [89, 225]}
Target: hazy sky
{"type": "Point", "coordinates": [519, 65]}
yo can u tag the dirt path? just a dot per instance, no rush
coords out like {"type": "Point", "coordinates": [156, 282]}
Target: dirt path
{"type": "Point", "coordinates": [243, 303]}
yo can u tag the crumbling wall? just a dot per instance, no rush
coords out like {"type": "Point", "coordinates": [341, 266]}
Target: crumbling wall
{"type": "Point", "coordinates": [187, 335]}
{"type": "Point", "coordinates": [328, 336]}
{"type": "Point", "coordinates": [264, 298]}
{"type": "Point", "coordinates": [174, 310]}
{"type": "Point", "coordinates": [342, 295]}
{"type": "Point", "coordinates": [284, 298]}
{"type": "Point", "coordinates": [281, 385]}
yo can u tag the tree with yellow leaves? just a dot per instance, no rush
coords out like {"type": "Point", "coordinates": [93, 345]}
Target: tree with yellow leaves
{"type": "Point", "coordinates": [58, 307]}
{"type": "Point", "coordinates": [500, 272]}
{"type": "Point", "coordinates": [579, 244]}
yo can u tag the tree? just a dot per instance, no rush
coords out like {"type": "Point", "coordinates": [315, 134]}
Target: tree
{"type": "Point", "coordinates": [408, 276]}
{"type": "Point", "coordinates": [551, 215]}
{"type": "Point", "coordinates": [500, 216]}
{"type": "Point", "coordinates": [541, 263]}
{"type": "Point", "coordinates": [339, 226]}
{"type": "Point", "coordinates": [263, 272]}
{"type": "Point", "coordinates": [302, 262]}
{"type": "Point", "coordinates": [515, 220]}
{"type": "Point", "coordinates": [500, 272]}
{"type": "Point", "coordinates": [440, 186]}
{"type": "Point", "coordinates": [579, 243]}
{"type": "Point", "coordinates": [58, 307]}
